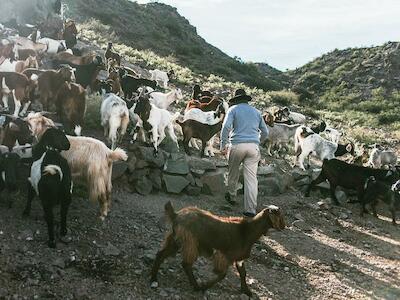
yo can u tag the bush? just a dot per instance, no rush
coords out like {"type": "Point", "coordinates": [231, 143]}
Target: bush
{"type": "Point", "coordinates": [284, 97]}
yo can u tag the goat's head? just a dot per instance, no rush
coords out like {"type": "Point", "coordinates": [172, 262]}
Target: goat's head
{"type": "Point", "coordinates": [350, 148]}
{"type": "Point", "coordinates": [38, 123]}
{"type": "Point", "coordinates": [143, 107]}
{"type": "Point", "coordinates": [269, 119]}
{"type": "Point", "coordinates": [105, 86]}
{"type": "Point", "coordinates": [196, 88]}
{"type": "Point", "coordinates": [8, 169]}
{"type": "Point", "coordinates": [56, 139]}
{"type": "Point", "coordinates": [67, 73]}
{"type": "Point", "coordinates": [274, 217]}
{"type": "Point", "coordinates": [171, 74]}
{"type": "Point", "coordinates": [285, 111]}
{"type": "Point", "coordinates": [32, 62]}
{"type": "Point", "coordinates": [20, 129]}
{"type": "Point", "coordinates": [178, 95]}
{"type": "Point", "coordinates": [110, 44]}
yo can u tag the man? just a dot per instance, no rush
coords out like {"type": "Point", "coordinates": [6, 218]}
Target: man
{"type": "Point", "coordinates": [241, 128]}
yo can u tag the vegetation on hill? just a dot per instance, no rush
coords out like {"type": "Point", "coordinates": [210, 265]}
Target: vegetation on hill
{"type": "Point", "coordinates": [160, 28]}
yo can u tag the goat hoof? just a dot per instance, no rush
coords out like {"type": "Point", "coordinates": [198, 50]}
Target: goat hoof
{"type": "Point", "coordinates": [52, 244]}
{"type": "Point", "coordinates": [246, 291]}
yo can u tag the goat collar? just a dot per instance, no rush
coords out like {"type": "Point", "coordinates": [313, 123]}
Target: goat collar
{"type": "Point", "coordinates": [52, 149]}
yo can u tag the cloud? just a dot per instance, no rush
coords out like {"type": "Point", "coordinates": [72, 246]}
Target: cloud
{"type": "Point", "coordinates": [289, 33]}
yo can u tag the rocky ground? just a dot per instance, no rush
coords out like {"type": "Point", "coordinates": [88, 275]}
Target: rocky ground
{"type": "Point", "coordinates": [325, 252]}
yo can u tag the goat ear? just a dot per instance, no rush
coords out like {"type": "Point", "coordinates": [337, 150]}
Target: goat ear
{"type": "Point", "coordinates": [349, 147]}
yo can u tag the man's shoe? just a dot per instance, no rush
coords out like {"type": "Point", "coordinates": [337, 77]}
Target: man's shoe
{"type": "Point", "coordinates": [249, 214]}
{"type": "Point", "coordinates": [230, 199]}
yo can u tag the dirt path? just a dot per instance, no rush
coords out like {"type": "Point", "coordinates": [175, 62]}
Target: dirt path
{"type": "Point", "coordinates": [330, 258]}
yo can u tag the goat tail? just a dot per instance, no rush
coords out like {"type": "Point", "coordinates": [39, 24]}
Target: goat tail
{"type": "Point", "coordinates": [169, 212]}
{"type": "Point", "coordinates": [53, 170]}
{"type": "Point", "coordinates": [117, 154]}
{"type": "Point", "coordinates": [78, 130]}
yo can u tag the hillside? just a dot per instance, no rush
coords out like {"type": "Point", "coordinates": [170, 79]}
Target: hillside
{"type": "Point", "coordinates": [160, 28]}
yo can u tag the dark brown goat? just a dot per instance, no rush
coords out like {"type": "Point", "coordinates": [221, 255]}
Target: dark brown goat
{"type": "Point", "coordinates": [110, 54]}
{"type": "Point", "coordinates": [227, 240]}
{"type": "Point", "coordinates": [71, 106]}
{"type": "Point", "coordinates": [68, 58]}
{"type": "Point", "coordinates": [50, 82]}
{"type": "Point", "coordinates": [204, 106]}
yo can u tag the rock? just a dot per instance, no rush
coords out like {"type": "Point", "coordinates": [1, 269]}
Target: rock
{"type": "Point", "coordinates": [204, 164]}
{"type": "Point", "coordinates": [213, 182]}
{"type": "Point", "coordinates": [303, 181]}
{"type": "Point", "coordinates": [138, 174]}
{"type": "Point", "coordinates": [286, 269]}
{"type": "Point", "coordinates": [193, 190]}
{"type": "Point", "coordinates": [144, 186]}
{"type": "Point", "coordinates": [111, 250]}
{"type": "Point", "coordinates": [131, 162]}
{"type": "Point", "coordinates": [191, 179]}
{"type": "Point", "coordinates": [59, 262]}
{"type": "Point", "coordinates": [266, 170]}
{"type": "Point", "coordinates": [198, 182]}
{"type": "Point", "coordinates": [302, 225]}
{"type": "Point", "coordinates": [26, 235]}
{"type": "Point", "coordinates": [147, 154]}
{"type": "Point", "coordinates": [154, 285]}
{"type": "Point", "coordinates": [299, 217]}
{"type": "Point", "coordinates": [175, 184]}
{"type": "Point", "coordinates": [270, 186]}
{"type": "Point", "coordinates": [298, 174]}
{"type": "Point", "coordinates": [343, 216]}
{"type": "Point", "coordinates": [118, 169]}
{"type": "Point", "coordinates": [341, 196]}
{"type": "Point", "coordinates": [197, 172]}
{"type": "Point", "coordinates": [323, 204]}
{"type": "Point", "coordinates": [140, 164]}
{"type": "Point", "coordinates": [177, 165]}
{"type": "Point", "coordinates": [155, 178]}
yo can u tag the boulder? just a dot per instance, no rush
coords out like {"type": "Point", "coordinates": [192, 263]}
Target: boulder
{"type": "Point", "coordinates": [196, 163]}
{"type": "Point", "coordinates": [191, 179]}
{"type": "Point", "coordinates": [144, 186]}
{"type": "Point", "coordinates": [175, 184]}
{"type": "Point", "coordinates": [266, 170]}
{"type": "Point", "coordinates": [341, 196]}
{"type": "Point", "coordinates": [214, 182]}
{"type": "Point", "coordinates": [197, 172]}
{"type": "Point", "coordinates": [176, 165]}
{"type": "Point", "coordinates": [147, 154]}
{"type": "Point", "coordinates": [118, 169]}
{"type": "Point", "coordinates": [131, 162]}
{"type": "Point", "coordinates": [155, 177]}
{"type": "Point", "coordinates": [138, 174]}
{"type": "Point", "coordinates": [271, 186]}
{"type": "Point", "coordinates": [193, 190]}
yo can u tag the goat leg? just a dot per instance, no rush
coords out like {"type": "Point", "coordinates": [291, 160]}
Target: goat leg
{"type": "Point", "coordinates": [188, 268]}
{"type": "Point", "coordinates": [242, 272]}
{"type": "Point", "coordinates": [48, 216]}
{"type": "Point", "coordinates": [31, 195]}
{"type": "Point", "coordinates": [170, 248]}
{"type": "Point", "coordinates": [321, 178]}
{"type": "Point", "coordinates": [333, 196]}
{"type": "Point", "coordinates": [64, 211]}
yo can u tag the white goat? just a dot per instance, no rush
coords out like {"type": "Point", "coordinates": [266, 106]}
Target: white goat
{"type": "Point", "coordinates": [380, 158]}
{"type": "Point", "coordinates": [280, 134]}
{"type": "Point", "coordinates": [163, 101]}
{"type": "Point", "coordinates": [332, 134]}
{"type": "Point", "coordinates": [90, 161]}
{"type": "Point", "coordinates": [160, 77]}
{"type": "Point", "coordinates": [114, 116]}
{"type": "Point", "coordinates": [53, 46]}
{"type": "Point", "coordinates": [159, 119]}
{"type": "Point", "coordinates": [308, 143]}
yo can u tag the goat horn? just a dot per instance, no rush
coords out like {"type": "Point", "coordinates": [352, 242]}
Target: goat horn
{"type": "Point", "coordinates": [47, 113]}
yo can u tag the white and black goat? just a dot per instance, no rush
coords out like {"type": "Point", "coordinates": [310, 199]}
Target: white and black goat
{"type": "Point", "coordinates": [50, 179]}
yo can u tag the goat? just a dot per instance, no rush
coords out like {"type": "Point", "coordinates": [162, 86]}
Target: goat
{"type": "Point", "coordinates": [198, 94]}
{"type": "Point", "coordinates": [8, 50]}
{"type": "Point", "coordinates": [227, 240]}
{"type": "Point", "coordinates": [297, 118]}
{"type": "Point", "coordinates": [8, 171]}
{"type": "Point", "coordinates": [69, 34]}
{"type": "Point", "coordinates": [15, 130]}
{"type": "Point", "coordinates": [19, 86]}
{"type": "Point", "coordinates": [160, 77]}
{"type": "Point", "coordinates": [314, 144]}
{"type": "Point", "coordinates": [113, 78]}
{"type": "Point", "coordinates": [50, 179]}
{"type": "Point", "coordinates": [280, 134]}
{"type": "Point", "coordinates": [130, 84]}
{"type": "Point", "coordinates": [114, 116]}
{"type": "Point", "coordinates": [163, 101]}
{"type": "Point", "coordinates": [110, 54]}
{"type": "Point", "coordinates": [50, 82]}
{"type": "Point", "coordinates": [376, 191]}
{"type": "Point", "coordinates": [90, 161]}
{"type": "Point", "coordinates": [19, 65]}
{"type": "Point", "coordinates": [340, 173]}
{"type": "Point", "coordinates": [71, 106]}
{"type": "Point", "coordinates": [207, 106]}
{"type": "Point", "coordinates": [154, 120]}
{"type": "Point", "coordinates": [333, 134]}
{"type": "Point", "coordinates": [380, 158]}
{"type": "Point", "coordinates": [68, 58]}
{"type": "Point", "coordinates": [53, 46]}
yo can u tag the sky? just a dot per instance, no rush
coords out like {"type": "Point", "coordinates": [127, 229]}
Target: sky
{"type": "Point", "coordinates": [289, 33]}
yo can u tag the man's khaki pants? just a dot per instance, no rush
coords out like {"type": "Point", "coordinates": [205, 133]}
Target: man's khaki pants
{"type": "Point", "coordinates": [249, 155]}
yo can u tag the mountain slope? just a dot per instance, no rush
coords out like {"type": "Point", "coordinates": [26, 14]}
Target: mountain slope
{"type": "Point", "coordinates": [160, 28]}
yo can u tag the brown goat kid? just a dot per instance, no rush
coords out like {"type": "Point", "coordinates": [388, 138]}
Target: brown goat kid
{"type": "Point", "coordinates": [227, 240]}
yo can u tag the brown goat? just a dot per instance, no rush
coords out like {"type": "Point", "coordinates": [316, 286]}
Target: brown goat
{"type": "Point", "coordinates": [110, 54]}
{"type": "Point", "coordinates": [30, 62]}
{"type": "Point", "coordinates": [208, 106]}
{"type": "Point", "coordinates": [113, 78]}
{"type": "Point", "coordinates": [66, 57]}
{"type": "Point", "coordinates": [71, 106]}
{"type": "Point", "coordinates": [50, 83]}
{"type": "Point", "coordinates": [226, 240]}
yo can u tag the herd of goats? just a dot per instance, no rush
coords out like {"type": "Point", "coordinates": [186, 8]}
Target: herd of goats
{"type": "Point", "coordinates": [53, 76]}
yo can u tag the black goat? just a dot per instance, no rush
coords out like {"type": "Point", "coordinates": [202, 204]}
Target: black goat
{"type": "Point", "coordinates": [319, 128]}
{"type": "Point", "coordinates": [130, 84]}
{"type": "Point", "coordinates": [8, 171]}
{"type": "Point", "coordinates": [340, 173]}
{"type": "Point", "coordinates": [51, 180]}
{"type": "Point", "coordinates": [376, 191]}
